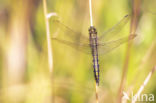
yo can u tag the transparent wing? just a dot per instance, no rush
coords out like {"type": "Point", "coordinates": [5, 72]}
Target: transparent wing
{"type": "Point", "coordinates": [111, 33]}
{"type": "Point", "coordinates": [76, 45]}
{"type": "Point", "coordinates": [81, 43]}
{"type": "Point", "coordinates": [103, 48]}
{"type": "Point", "coordinates": [108, 46]}
{"type": "Point", "coordinates": [69, 33]}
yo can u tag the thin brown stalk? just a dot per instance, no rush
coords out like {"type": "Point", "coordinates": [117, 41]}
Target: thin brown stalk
{"type": "Point", "coordinates": [133, 27]}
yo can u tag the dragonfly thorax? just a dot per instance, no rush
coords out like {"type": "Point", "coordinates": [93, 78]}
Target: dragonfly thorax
{"type": "Point", "coordinates": [92, 32]}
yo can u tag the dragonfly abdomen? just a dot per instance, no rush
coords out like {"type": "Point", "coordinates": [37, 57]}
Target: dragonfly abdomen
{"type": "Point", "coordinates": [96, 69]}
{"type": "Point", "coordinates": [94, 48]}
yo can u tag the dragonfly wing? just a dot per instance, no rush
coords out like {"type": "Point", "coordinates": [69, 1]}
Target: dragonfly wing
{"type": "Point", "coordinates": [78, 46]}
{"type": "Point", "coordinates": [69, 33]}
{"type": "Point", "coordinates": [108, 46]}
{"type": "Point", "coordinates": [112, 32]}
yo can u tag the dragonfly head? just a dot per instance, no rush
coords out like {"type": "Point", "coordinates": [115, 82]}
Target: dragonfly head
{"type": "Point", "coordinates": [92, 30]}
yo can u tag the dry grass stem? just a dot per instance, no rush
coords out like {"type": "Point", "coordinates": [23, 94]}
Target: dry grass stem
{"type": "Point", "coordinates": [50, 54]}
{"type": "Point", "coordinates": [90, 10]}
{"type": "Point", "coordinates": [97, 97]}
{"type": "Point", "coordinates": [49, 46]}
{"type": "Point", "coordinates": [133, 27]}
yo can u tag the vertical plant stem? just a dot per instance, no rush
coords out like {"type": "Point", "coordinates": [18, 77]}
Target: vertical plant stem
{"type": "Point", "coordinates": [50, 56]}
{"type": "Point", "coordinates": [49, 46]}
{"type": "Point", "coordinates": [133, 27]}
{"type": "Point", "coordinates": [96, 90]}
{"type": "Point", "coordinates": [90, 11]}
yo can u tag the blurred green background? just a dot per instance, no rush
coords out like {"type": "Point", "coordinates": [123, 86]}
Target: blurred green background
{"type": "Point", "coordinates": [24, 71]}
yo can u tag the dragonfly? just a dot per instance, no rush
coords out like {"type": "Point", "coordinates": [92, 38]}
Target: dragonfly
{"type": "Point", "coordinates": [94, 44]}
